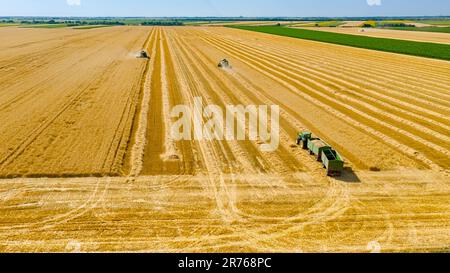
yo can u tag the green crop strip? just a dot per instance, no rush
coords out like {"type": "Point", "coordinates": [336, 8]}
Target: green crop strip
{"type": "Point", "coordinates": [429, 50]}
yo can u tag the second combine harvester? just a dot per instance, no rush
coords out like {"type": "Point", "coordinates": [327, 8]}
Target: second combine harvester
{"type": "Point", "coordinates": [331, 159]}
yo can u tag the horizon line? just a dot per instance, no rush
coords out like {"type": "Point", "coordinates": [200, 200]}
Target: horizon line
{"type": "Point", "coordinates": [226, 17]}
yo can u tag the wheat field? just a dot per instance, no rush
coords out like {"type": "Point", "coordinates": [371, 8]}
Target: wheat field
{"type": "Point", "coordinates": [87, 163]}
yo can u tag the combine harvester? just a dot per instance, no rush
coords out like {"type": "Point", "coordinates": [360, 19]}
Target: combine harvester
{"type": "Point", "coordinates": [331, 159]}
{"type": "Point", "coordinates": [143, 55]}
{"type": "Point", "coordinates": [224, 64]}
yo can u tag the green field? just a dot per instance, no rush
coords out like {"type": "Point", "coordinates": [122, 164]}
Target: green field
{"type": "Point", "coordinates": [8, 25]}
{"type": "Point", "coordinates": [429, 50]}
{"type": "Point", "coordinates": [426, 29]}
{"type": "Point", "coordinates": [90, 27]}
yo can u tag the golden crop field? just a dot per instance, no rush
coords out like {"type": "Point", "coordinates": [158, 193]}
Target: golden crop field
{"type": "Point", "coordinates": [87, 163]}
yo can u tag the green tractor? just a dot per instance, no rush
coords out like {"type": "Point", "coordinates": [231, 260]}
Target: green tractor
{"type": "Point", "coordinates": [303, 139]}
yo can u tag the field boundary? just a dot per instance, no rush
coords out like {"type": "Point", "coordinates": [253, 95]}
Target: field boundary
{"type": "Point", "coordinates": [413, 48]}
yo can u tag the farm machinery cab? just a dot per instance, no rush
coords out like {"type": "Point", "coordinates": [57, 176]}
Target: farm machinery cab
{"type": "Point", "coordinates": [143, 55]}
{"type": "Point", "coordinates": [331, 160]}
{"type": "Point", "coordinates": [224, 64]}
{"type": "Point", "coordinates": [303, 139]}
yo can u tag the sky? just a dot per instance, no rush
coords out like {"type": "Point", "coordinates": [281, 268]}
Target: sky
{"type": "Point", "coordinates": [226, 8]}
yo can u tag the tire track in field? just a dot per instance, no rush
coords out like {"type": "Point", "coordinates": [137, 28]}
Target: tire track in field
{"type": "Point", "coordinates": [97, 196]}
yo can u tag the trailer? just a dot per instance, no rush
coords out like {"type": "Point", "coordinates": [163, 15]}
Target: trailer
{"type": "Point", "coordinates": [331, 159]}
{"type": "Point", "coordinates": [316, 147]}
{"type": "Point", "coordinates": [333, 162]}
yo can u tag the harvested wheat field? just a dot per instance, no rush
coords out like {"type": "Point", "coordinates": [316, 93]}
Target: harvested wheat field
{"type": "Point", "coordinates": [418, 36]}
{"type": "Point", "coordinates": [88, 164]}
{"type": "Point", "coordinates": [68, 100]}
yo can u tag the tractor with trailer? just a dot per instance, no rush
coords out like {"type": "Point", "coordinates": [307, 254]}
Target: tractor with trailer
{"type": "Point", "coordinates": [331, 160]}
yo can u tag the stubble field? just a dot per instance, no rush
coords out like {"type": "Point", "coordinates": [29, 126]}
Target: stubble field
{"type": "Point", "coordinates": [87, 163]}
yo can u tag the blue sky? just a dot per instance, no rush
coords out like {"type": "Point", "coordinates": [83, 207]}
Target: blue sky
{"type": "Point", "coordinates": [155, 8]}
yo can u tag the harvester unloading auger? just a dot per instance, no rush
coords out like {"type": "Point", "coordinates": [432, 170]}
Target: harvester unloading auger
{"type": "Point", "coordinates": [331, 159]}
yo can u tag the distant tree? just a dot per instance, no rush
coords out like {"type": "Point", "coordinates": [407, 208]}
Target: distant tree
{"type": "Point", "coordinates": [162, 23]}
{"type": "Point", "coordinates": [398, 25]}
